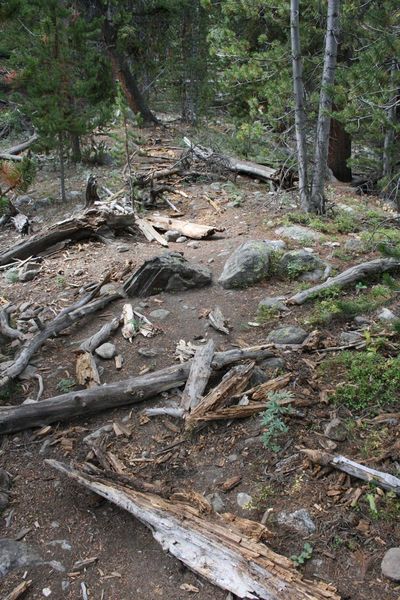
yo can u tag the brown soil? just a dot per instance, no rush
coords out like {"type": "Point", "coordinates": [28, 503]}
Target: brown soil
{"type": "Point", "coordinates": [348, 544]}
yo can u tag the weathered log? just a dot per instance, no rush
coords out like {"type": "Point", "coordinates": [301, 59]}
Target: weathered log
{"type": "Point", "coordinates": [199, 375]}
{"type": "Point", "coordinates": [92, 223]}
{"type": "Point", "coordinates": [123, 393]}
{"type": "Point", "coordinates": [150, 233]}
{"type": "Point", "coordinates": [6, 329]}
{"type": "Point", "coordinates": [23, 146]}
{"type": "Point", "coordinates": [191, 230]}
{"type": "Point", "coordinates": [98, 338]}
{"type": "Point", "coordinates": [227, 552]}
{"type": "Point", "coordinates": [380, 478]}
{"type": "Point", "coordinates": [367, 269]}
{"type": "Point", "coordinates": [14, 157]}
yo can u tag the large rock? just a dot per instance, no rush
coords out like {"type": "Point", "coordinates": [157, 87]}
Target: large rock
{"type": "Point", "coordinates": [287, 335]}
{"type": "Point", "coordinates": [298, 521]}
{"type": "Point", "coordinates": [391, 564]}
{"type": "Point", "coordinates": [302, 264]}
{"type": "Point", "coordinates": [249, 263]}
{"type": "Point", "coordinates": [14, 555]}
{"type": "Point", "coordinates": [169, 272]}
{"type": "Point", "coordinates": [298, 233]}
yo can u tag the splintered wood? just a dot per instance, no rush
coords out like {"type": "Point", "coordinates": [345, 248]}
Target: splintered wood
{"type": "Point", "coordinates": [222, 550]}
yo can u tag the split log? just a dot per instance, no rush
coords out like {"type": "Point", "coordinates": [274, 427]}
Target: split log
{"type": "Point", "coordinates": [150, 233]}
{"type": "Point", "coordinates": [380, 478]}
{"type": "Point", "coordinates": [98, 338]}
{"type": "Point", "coordinates": [65, 319]}
{"type": "Point", "coordinates": [362, 271]}
{"type": "Point", "coordinates": [223, 551]}
{"type": "Point", "coordinates": [234, 382]}
{"type": "Point", "coordinates": [92, 223]}
{"type": "Point", "coordinates": [123, 393]}
{"type": "Point", "coordinates": [190, 230]}
{"type": "Point", "coordinates": [199, 375]}
{"type": "Point", "coordinates": [260, 391]}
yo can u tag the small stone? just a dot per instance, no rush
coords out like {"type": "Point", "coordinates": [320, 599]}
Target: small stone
{"type": "Point", "coordinates": [244, 500]}
{"type": "Point", "coordinates": [287, 335]}
{"type": "Point", "coordinates": [216, 502]}
{"type": "Point", "coordinates": [193, 244]}
{"type": "Point", "coordinates": [210, 260]}
{"type": "Point", "coordinates": [272, 302]}
{"type": "Point", "coordinates": [106, 351]}
{"type": "Point", "coordinates": [108, 288]}
{"type": "Point", "coordinates": [336, 430]}
{"type": "Point", "coordinates": [5, 481]}
{"type": "Point", "coordinates": [350, 337]}
{"type": "Point", "coordinates": [148, 352]}
{"type": "Point", "coordinates": [181, 239]}
{"type": "Point", "coordinates": [391, 564]}
{"type": "Point", "coordinates": [171, 235]}
{"type": "Point", "coordinates": [386, 315]}
{"type": "Point", "coordinates": [298, 521]}
{"type": "Point", "coordinates": [232, 458]}
{"type": "Point", "coordinates": [354, 245]}
{"type": "Point", "coordinates": [28, 275]}
{"type": "Point", "coordinates": [28, 373]}
{"type": "Point", "coordinates": [160, 314]}
{"type": "Point", "coordinates": [360, 320]}
{"type": "Point", "coordinates": [78, 272]}
{"type": "Point", "coordinates": [123, 248]}
{"type": "Point", "coordinates": [65, 585]}
{"type": "Point", "coordinates": [73, 196]}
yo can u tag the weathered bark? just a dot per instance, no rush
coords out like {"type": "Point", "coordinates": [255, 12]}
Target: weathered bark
{"type": "Point", "coordinates": [199, 375]}
{"type": "Point", "coordinates": [300, 115]}
{"type": "Point", "coordinates": [339, 151]}
{"type": "Point", "coordinates": [123, 393]}
{"type": "Point", "coordinates": [317, 200]}
{"type": "Point", "coordinates": [6, 329]}
{"type": "Point", "coordinates": [356, 273]}
{"type": "Point", "coordinates": [226, 551]}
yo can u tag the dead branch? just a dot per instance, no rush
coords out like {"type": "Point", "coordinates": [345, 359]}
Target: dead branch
{"type": "Point", "coordinates": [98, 338]}
{"type": "Point", "coordinates": [6, 329]}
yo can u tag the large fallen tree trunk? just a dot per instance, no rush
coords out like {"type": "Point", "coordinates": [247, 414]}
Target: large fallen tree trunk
{"type": "Point", "coordinates": [12, 153]}
{"type": "Point", "coordinates": [367, 269]}
{"type": "Point", "coordinates": [228, 553]}
{"type": "Point", "coordinates": [92, 223]}
{"type": "Point", "coordinates": [122, 393]}
{"type": "Point", "coordinates": [191, 230]}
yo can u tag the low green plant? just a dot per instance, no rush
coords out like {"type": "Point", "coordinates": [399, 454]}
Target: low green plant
{"type": "Point", "coordinates": [12, 276]}
{"type": "Point", "coordinates": [305, 554]}
{"type": "Point", "coordinates": [60, 281]}
{"type": "Point", "coordinates": [266, 314]}
{"type": "Point", "coordinates": [271, 418]}
{"type": "Point", "coordinates": [66, 385]}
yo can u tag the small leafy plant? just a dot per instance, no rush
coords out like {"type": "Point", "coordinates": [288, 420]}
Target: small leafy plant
{"type": "Point", "coordinates": [66, 385]}
{"type": "Point", "coordinates": [272, 419]}
{"type": "Point", "coordinates": [305, 554]}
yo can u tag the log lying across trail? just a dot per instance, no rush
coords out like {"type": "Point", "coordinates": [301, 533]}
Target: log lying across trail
{"type": "Point", "coordinates": [123, 393]}
{"type": "Point", "coordinates": [367, 269]}
{"type": "Point", "coordinates": [228, 552]}
{"type": "Point", "coordinates": [94, 222]}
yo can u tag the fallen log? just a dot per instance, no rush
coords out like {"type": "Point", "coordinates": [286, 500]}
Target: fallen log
{"type": "Point", "coordinates": [380, 478]}
{"type": "Point", "coordinates": [23, 146]}
{"type": "Point", "coordinates": [367, 269]}
{"type": "Point", "coordinates": [191, 230]}
{"type": "Point", "coordinates": [6, 329]}
{"type": "Point", "coordinates": [92, 223]}
{"type": "Point", "coordinates": [225, 551]}
{"type": "Point", "coordinates": [150, 233]}
{"type": "Point", "coordinates": [98, 338]}
{"type": "Point", "coordinates": [122, 393]}
{"type": "Point", "coordinates": [199, 375]}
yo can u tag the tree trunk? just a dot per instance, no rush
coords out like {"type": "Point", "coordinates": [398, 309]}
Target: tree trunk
{"type": "Point", "coordinates": [325, 107]}
{"type": "Point", "coordinates": [339, 151]}
{"type": "Point", "coordinates": [62, 166]}
{"type": "Point", "coordinates": [194, 60]}
{"type": "Point", "coordinates": [300, 115]}
{"type": "Point", "coordinates": [76, 148]}
{"type": "Point", "coordinates": [387, 167]}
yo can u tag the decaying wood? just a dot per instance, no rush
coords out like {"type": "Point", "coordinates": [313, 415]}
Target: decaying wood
{"type": "Point", "coordinates": [199, 375]}
{"type": "Point", "coordinates": [98, 338]}
{"type": "Point", "coordinates": [223, 551]}
{"type": "Point", "coordinates": [218, 321]}
{"type": "Point", "coordinates": [234, 382]}
{"type": "Point", "coordinates": [260, 391]}
{"type": "Point", "coordinates": [66, 318]}
{"type": "Point", "coordinates": [86, 370]}
{"type": "Point", "coordinates": [19, 591]}
{"type": "Point", "coordinates": [356, 273]}
{"type": "Point", "coordinates": [91, 194]}
{"type": "Point", "coordinates": [150, 233]}
{"type": "Point", "coordinates": [380, 478]}
{"type": "Point", "coordinates": [91, 223]}
{"type": "Point", "coordinates": [190, 230]}
{"type": "Point", "coordinates": [5, 328]}
{"type": "Point", "coordinates": [122, 393]}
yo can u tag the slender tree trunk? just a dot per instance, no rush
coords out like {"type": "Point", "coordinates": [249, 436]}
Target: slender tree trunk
{"type": "Point", "coordinates": [62, 166]}
{"type": "Point", "coordinates": [300, 115]}
{"type": "Point", "coordinates": [194, 59]}
{"type": "Point", "coordinates": [387, 167]}
{"type": "Point", "coordinates": [339, 151]}
{"type": "Point", "coordinates": [325, 106]}
{"type": "Point", "coordinates": [76, 148]}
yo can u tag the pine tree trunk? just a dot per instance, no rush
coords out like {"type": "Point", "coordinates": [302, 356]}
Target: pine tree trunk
{"type": "Point", "coordinates": [76, 148]}
{"type": "Point", "coordinates": [325, 106]}
{"type": "Point", "coordinates": [62, 166]}
{"type": "Point", "coordinates": [300, 115]}
{"type": "Point", "coordinates": [339, 151]}
{"type": "Point", "coordinates": [387, 166]}
{"type": "Point", "coordinates": [194, 59]}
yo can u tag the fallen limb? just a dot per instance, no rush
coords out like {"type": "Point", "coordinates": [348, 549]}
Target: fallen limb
{"type": "Point", "coordinates": [199, 375]}
{"type": "Point", "coordinates": [23, 146]}
{"type": "Point", "coordinates": [191, 230]}
{"type": "Point", "coordinates": [225, 552]}
{"type": "Point", "coordinates": [380, 478]}
{"type": "Point", "coordinates": [98, 338]}
{"type": "Point", "coordinates": [367, 269]}
{"type": "Point", "coordinates": [6, 329]}
{"type": "Point", "coordinates": [123, 393]}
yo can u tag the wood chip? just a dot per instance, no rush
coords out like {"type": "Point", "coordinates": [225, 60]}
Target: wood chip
{"type": "Point", "coordinates": [230, 483]}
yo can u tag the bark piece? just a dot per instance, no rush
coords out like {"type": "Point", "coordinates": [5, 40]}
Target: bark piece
{"type": "Point", "coordinates": [19, 590]}
{"type": "Point", "coordinates": [221, 550]}
{"type": "Point", "coordinates": [380, 478]}
{"type": "Point", "coordinates": [98, 338]}
{"type": "Point", "coordinates": [91, 194]}
{"type": "Point", "coordinates": [199, 375]}
{"type": "Point", "coordinates": [190, 230]}
{"type": "Point", "coordinates": [367, 269]}
{"type": "Point", "coordinates": [218, 321]}
{"type": "Point", "coordinates": [86, 370]}
{"type": "Point", "coordinates": [123, 393]}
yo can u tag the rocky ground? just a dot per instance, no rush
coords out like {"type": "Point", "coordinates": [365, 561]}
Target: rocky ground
{"type": "Point", "coordinates": [337, 527]}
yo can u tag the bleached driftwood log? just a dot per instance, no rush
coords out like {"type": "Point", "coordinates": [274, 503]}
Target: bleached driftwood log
{"type": "Point", "coordinates": [226, 551]}
{"type": "Point", "coordinates": [367, 269]}
{"type": "Point", "coordinates": [190, 230]}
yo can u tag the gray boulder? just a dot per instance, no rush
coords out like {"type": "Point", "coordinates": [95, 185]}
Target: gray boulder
{"type": "Point", "coordinates": [29, 271]}
{"type": "Point", "coordinates": [273, 303]}
{"type": "Point", "coordinates": [298, 521]}
{"type": "Point", "coordinates": [160, 314]}
{"type": "Point", "coordinates": [391, 564]}
{"type": "Point", "coordinates": [106, 351]}
{"type": "Point", "coordinates": [298, 233]}
{"type": "Point", "coordinates": [287, 335]}
{"type": "Point", "coordinates": [350, 337]}
{"type": "Point", "coordinates": [249, 263]}
{"type": "Point", "coordinates": [244, 500]}
{"type": "Point", "coordinates": [14, 555]}
{"type": "Point", "coordinates": [302, 264]}
{"type": "Point", "coordinates": [171, 235]}
{"type": "Point", "coordinates": [336, 430]}
{"type": "Point", "coordinates": [169, 272]}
